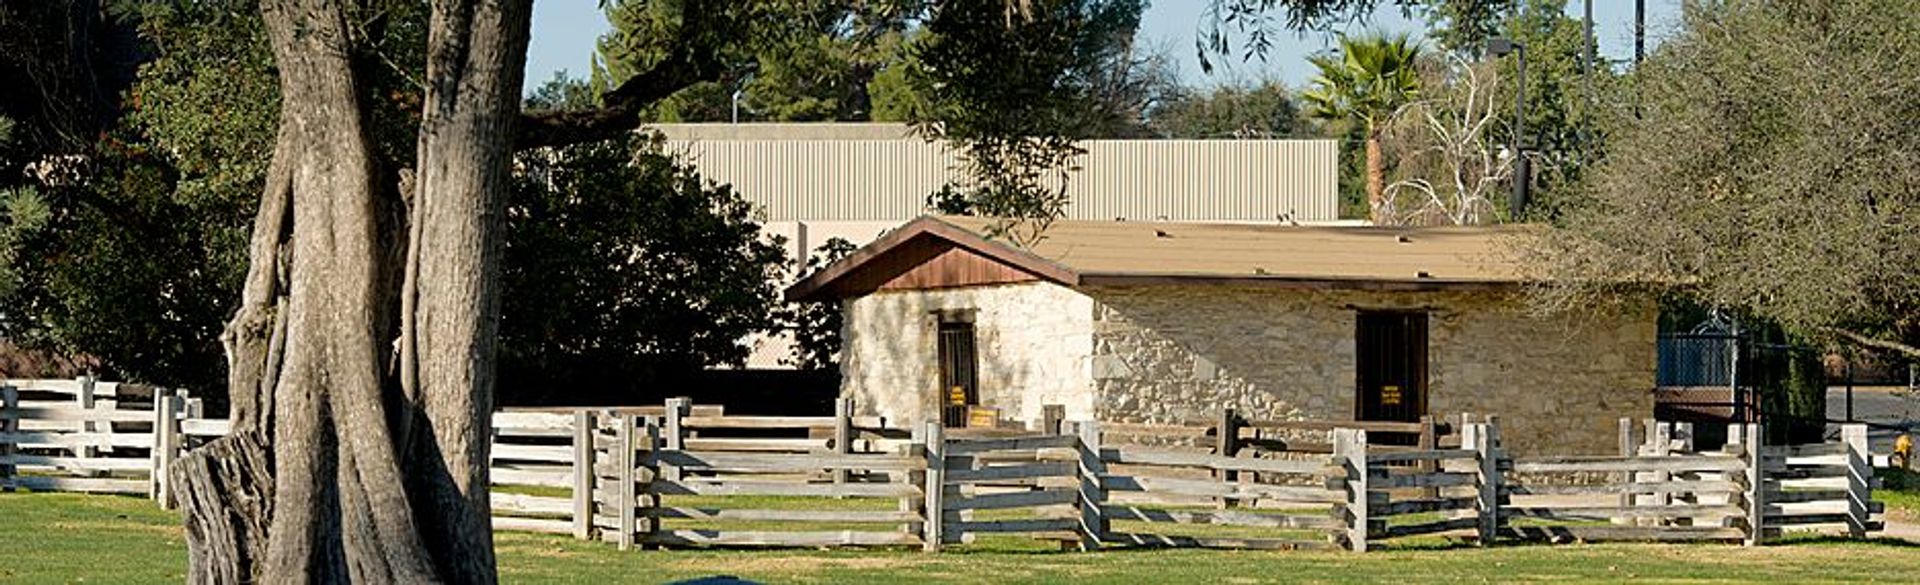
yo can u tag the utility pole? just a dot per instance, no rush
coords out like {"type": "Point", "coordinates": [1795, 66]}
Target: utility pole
{"type": "Point", "coordinates": [1586, 81]}
{"type": "Point", "coordinates": [1639, 32]}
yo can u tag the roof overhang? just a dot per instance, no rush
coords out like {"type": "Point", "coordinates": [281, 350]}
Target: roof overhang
{"type": "Point", "coordinates": [827, 284]}
{"type": "Point", "coordinates": [819, 285]}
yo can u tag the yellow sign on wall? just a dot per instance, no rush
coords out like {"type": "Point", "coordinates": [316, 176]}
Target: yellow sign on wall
{"type": "Point", "coordinates": [1389, 395]}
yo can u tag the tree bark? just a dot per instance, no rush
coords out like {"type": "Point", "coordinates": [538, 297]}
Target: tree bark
{"type": "Point", "coordinates": [346, 464]}
{"type": "Point", "coordinates": [1376, 181]}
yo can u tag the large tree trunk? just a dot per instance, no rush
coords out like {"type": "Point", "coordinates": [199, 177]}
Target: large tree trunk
{"type": "Point", "coordinates": [347, 464]}
{"type": "Point", "coordinates": [1376, 181]}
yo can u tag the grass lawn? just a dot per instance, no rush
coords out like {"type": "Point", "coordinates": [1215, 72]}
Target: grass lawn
{"type": "Point", "coordinates": [1900, 490]}
{"type": "Point", "coordinates": [60, 538]}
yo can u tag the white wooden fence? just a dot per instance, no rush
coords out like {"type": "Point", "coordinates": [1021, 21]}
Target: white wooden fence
{"type": "Point", "coordinates": [85, 435]}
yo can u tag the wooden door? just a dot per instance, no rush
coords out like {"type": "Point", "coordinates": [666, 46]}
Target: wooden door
{"type": "Point", "coordinates": [1391, 347]}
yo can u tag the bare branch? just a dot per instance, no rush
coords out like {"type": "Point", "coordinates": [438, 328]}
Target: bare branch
{"type": "Point", "coordinates": [691, 61]}
{"type": "Point", "coordinates": [1874, 342]}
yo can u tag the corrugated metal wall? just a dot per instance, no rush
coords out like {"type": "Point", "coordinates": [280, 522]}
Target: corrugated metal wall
{"type": "Point", "coordinates": [889, 179]}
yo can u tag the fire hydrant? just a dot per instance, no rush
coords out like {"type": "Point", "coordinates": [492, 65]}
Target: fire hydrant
{"type": "Point", "coordinates": [1903, 452]}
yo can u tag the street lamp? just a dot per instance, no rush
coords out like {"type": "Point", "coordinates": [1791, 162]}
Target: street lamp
{"type": "Point", "coordinates": [1499, 47]}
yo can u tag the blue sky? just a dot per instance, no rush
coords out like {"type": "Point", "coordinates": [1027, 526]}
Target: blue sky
{"type": "Point", "coordinates": [564, 32]}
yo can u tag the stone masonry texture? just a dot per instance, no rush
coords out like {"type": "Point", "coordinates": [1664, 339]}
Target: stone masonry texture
{"type": "Point", "coordinates": [1180, 353]}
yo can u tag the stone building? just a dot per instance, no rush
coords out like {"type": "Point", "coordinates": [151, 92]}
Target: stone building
{"type": "Point", "coordinates": [1158, 322]}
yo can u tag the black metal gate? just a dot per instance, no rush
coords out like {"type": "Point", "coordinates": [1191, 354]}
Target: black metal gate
{"type": "Point", "coordinates": [959, 372]}
{"type": "Point", "coordinates": [1392, 370]}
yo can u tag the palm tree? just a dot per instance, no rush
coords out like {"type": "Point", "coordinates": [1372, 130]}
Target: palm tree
{"type": "Point", "coordinates": [1368, 81]}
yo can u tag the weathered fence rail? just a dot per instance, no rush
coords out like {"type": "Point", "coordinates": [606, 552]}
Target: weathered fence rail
{"type": "Point", "coordinates": [681, 475]}
{"type": "Point", "coordinates": [1289, 502]}
{"type": "Point", "coordinates": [1418, 492]}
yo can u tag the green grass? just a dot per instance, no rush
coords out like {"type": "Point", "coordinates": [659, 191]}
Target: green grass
{"type": "Point", "coordinates": [1900, 489]}
{"type": "Point", "coordinates": [69, 538]}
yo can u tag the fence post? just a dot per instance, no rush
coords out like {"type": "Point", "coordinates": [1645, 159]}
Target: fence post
{"type": "Point", "coordinates": [10, 426]}
{"type": "Point", "coordinates": [1627, 449]}
{"type": "Point", "coordinates": [623, 440]}
{"type": "Point", "coordinates": [1859, 479]}
{"type": "Point", "coordinates": [1663, 445]}
{"type": "Point", "coordinates": [1093, 496]}
{"type": "Point", "coordinates": [87, 426]}
{"type": "Point", "coordinates": [651, 496]}
{"type": "Point", "coordinates": [1051, 415]}
{"type": "Point", "coordinates": [1498, 452]}
{"type": "Point", "coordinates": [935, 487]}
{"type": "Point", "coordinates": [916, 448]}
{"type": "Point", "coordinates": [1750, 446]}
{"type": "Point", "coordinates": [166, 444]}
{"type": "Point", "coordinates": [583, 474]}
{"type": "Point", "coordinates": [1684, 443]}
{"type": "Point", "coordinates": [676, 433]}
{"type": "Point", "coordinates": [1429, 440]}
{"type": "Point", "coordinates": [1228, 445]}
{"type": "Point", "coordinates": [1474, 436]}
{"type": "Point", "coordinates": [1350, 451]}
{"type": "Point", "coordinates": [842, 435]}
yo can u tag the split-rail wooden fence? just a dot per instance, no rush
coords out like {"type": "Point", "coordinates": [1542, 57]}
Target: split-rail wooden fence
{"type": "Point", "coordinates": [681, 475]}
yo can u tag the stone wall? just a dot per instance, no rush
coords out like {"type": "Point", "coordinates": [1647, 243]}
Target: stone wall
{"type": "Point", "coordinates": [1165, 354]}
{"type": "Point", "coordinates": [1033, 341]}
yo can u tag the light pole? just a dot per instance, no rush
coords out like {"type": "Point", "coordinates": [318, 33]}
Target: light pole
{"type": "Point", "coordinates": [1499, 47]}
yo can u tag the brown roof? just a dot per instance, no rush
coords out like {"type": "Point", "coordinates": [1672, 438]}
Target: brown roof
{"type": "Point", "coordinates": [1118, 253]}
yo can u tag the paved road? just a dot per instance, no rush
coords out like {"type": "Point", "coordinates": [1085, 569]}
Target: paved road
{"type": "Point", "coordinates": [1887, 405]}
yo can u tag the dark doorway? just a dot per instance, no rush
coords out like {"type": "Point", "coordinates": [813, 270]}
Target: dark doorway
{"type": "Point", "coordinates": [959, 372]}
{"type": "Point", "coordinates": [1392, 372]}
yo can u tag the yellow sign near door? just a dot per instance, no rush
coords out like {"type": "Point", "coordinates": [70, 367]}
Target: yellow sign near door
{"type": "Point", "coordinates": [1389, 395]}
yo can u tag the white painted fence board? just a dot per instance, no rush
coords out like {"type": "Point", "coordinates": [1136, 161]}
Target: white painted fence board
{"type": "Point", "coordinates": [527, 504]}
{"type": "Point", "coordinates": [545, 453]}
{"type": "Point", "coordinates": [561, 478]}
{"type": "Point", "coordinates": [532, 524]}
{"type": "Point", "coordinates": [141, 464]}
{"type": "Point", "coordinates": [105, 440]}
{"type": "Point", "coordinates": [206, 427]}
{"type": "Point", "coordinates": [83, 484]}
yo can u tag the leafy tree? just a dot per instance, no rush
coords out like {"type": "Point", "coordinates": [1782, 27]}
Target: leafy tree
{"type": "Point", "coordinates": [817, 69]}
{"type": "Point", "coordinates": [1459, 25]}
{"type": "Point", "coordinates": [622, 263]}
{"type": "Point", "coordinates": [1367, 83]}
{"type": "Point", "coordinates": [1014, 89]}
{"type": "Point", "coordinates": [179, 169]}
{"type": "Point", "coordinates": [816, 326]}
{"type": "Point", "coordinates": [1265, 110]}
{"type": "Point", "coordinates": [1770, 171]}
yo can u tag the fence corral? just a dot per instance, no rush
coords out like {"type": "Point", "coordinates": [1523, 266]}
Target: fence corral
{"type": "Point", "coordinates": [1290, 503]}
{"type": "Point", "coordinates": [680, 475]}
{"type": "Point", "coordinates": [711, 480]}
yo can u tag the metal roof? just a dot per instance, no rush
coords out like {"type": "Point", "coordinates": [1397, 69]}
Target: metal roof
{"type": "Point", "coordinates": [1129, 253]}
